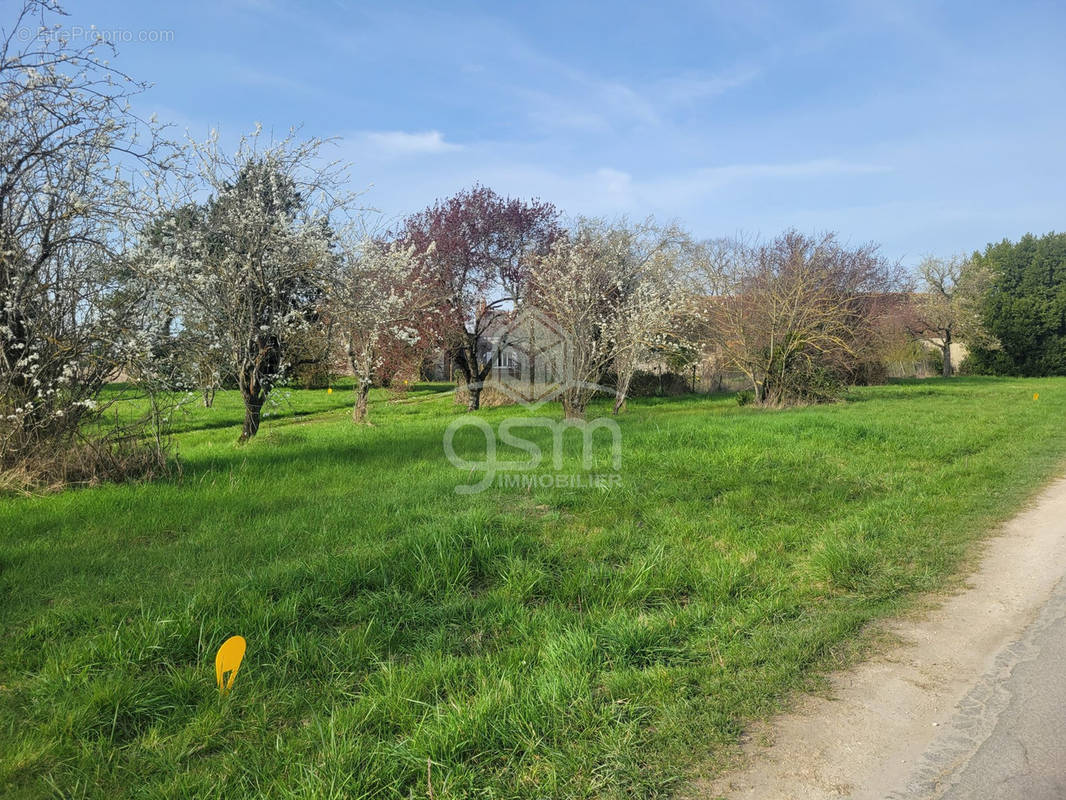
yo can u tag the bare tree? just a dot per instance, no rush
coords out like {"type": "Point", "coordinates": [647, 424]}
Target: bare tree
{"type": "Point", "coordinates": [78, 173]}
{"type": "Point", "coordinates": [707, 271]}
{"type": "Point", "coordinates": [792, 314]}
{"type": "Point", "coordinates": [947, 307]}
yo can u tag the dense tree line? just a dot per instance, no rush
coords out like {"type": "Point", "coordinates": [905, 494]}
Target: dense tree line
{"type": "Point", "coordinates": [1024, 307]}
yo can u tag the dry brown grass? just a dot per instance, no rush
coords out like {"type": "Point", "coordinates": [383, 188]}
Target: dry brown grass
{"type": "Point", "coordinates": [85, 463]}
{"type": "Point", "coordinates": [491, 397]}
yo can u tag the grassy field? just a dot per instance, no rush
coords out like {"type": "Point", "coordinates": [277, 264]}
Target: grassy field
{"type": "Point", "coordinates": [524, 642]}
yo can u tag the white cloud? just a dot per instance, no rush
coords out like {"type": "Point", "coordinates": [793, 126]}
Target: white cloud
{"type": "Point", "coordinates": [613, 187]}
{"type": "Point", "coordinates": [401, 143]}
{"type": "Point", "coordinates": [693, 87]}
{"type": "Point", "coordinates": [610, 190]}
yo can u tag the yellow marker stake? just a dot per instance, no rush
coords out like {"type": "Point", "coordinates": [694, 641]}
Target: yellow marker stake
{"type": "Point", "coordinates": [1036, 395]}
{"type": "Point", "coordinates": [228, 660]}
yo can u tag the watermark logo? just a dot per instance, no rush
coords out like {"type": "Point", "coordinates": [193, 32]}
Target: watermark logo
{"type": "Point", "coordinates": [78, 34]}
{"type": "Point", "coordinates": [525, 473]}
{"type": "Point", "coordinates": [531, 358]}
{"type": "Point", "coordinates": [532, 364]}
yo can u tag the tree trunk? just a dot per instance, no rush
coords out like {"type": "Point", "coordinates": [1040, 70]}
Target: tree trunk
{"type": "Point", "coordinates": [945, 349]}
{"type": "Point", "coordinates": [621, 390]}
{"type": "Point", "coordinates": [573, 408]}
{"type": "Point", "coordinates": [254, 377]}
{"type": "Point", "coordinates": [481, 374]}
{"type": "Point", "coordinates": [473, 398]}
{"type": "Point", "coordinates": [465, 359]}
{"type": "Point", "coordinates": [253, 410]}
{"type": "Point", "coordinates": [359, 412]}
{"type": "Point", "coordinates": [209, 396]}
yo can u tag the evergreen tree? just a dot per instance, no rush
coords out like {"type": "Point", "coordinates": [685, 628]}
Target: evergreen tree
{"type": "Point", "coordinates": [1025, 307]}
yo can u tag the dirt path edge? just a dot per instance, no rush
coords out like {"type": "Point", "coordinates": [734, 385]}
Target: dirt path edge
{"type": "Point", "coordinates": [898, 724]}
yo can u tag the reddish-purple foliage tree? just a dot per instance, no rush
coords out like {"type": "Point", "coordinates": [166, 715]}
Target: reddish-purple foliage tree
{"type": "Point", "coordinates": [484, 245]}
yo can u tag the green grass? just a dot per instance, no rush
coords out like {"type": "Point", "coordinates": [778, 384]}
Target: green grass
{"type": "Point", "coordinates": [529, 643]}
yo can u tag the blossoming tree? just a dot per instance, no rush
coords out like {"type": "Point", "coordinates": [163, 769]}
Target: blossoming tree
{"type": "Point", "coordinates": [612, 292]}
{"type": "Point", "coordinates": [381, 299]}
{"type": "Point", "coordinates": [484, 245]}
{"type": "Point", "coordinates": [644, 318]}
{"type": "Point", "coordinates": [78, 173]}
{"type": "Point", "coordinates": [252, 271]}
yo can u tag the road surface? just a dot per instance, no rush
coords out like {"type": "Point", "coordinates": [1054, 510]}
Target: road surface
{"type": "Point", "coordinates": [1023, 756]}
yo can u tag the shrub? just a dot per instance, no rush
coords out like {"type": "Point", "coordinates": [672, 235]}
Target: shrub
{"type": "Point", "coordinates": [982, 361]}
{"type": "Point", "coordinates": [869, 372]}
{"type": "Point", "coordinates": [815, 384]}
{"type": "Point", "coordinates": [87, 462]}
{"type": "Point", "coordinates": [646, 383]}
{"type": "Point", "coordinates": [490, 397]}
{"type": "Point", "coordinates": [315, 375]}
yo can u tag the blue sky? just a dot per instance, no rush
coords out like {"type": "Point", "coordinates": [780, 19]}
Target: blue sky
{"type": "Point", "coordinates": [928, 127]}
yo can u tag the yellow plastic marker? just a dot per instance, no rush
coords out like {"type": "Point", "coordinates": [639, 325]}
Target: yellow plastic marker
{"type": "Point", "coordinates": [329, 390]}
{"type": "Point", "coordinates": [228, 660]}
{"type": "Point", "coordinates": [1036, 395]}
